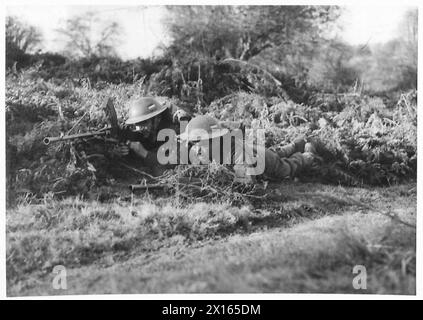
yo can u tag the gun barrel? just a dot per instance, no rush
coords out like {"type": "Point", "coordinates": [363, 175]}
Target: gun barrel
{"type": "Point", "coordinates": [48, 140]}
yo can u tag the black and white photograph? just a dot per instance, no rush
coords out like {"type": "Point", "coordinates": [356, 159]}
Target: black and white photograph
{"type": "Point", "coordinates": [210, 149]}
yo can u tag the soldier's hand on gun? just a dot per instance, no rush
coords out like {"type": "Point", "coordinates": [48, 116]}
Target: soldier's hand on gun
{"type": "Point", "coordinates": [121, 150]}
{"type": "Point", "coordinates": [200, 154]}
{"type": "Point", "coordinates": [181, 115]}
{"type": "Point", "coordinates": [138, 148]}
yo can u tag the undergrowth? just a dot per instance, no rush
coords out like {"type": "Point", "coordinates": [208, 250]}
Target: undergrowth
{"type": "Point", "coordinates": [365, 141]}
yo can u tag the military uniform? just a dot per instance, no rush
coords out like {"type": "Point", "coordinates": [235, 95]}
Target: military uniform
{"type": "Point", "coordinates": [145, 109]}
{"type": "Point", "coordinates": [285, 162]}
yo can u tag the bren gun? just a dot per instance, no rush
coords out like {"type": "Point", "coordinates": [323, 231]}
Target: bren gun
{"type": "Point", "coordinates": [116, 134]}
{"type": "Point", "coordinates": [101, 132]}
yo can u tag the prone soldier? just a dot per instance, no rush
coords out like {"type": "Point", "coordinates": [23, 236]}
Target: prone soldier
{"type": "Point", "coordinates": [146, 117]}
{"type": "Point", "coordinates": [287, 162]}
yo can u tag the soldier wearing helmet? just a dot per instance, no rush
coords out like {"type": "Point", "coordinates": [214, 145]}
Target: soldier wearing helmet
{"type": "Point", "coordinates": [287, 161]}
{"type": "Point", "coordinates": [146, 117]}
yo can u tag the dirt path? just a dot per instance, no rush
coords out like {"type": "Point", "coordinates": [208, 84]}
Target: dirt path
{"type": "Point", "coordinates": [306, 253]}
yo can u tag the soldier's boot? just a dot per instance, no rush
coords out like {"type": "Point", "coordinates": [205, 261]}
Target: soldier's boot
{"type": "Point", "coordinates": [288, 150]}
{"type": "Point", "coordinates": [321, 149]}
{"type": "Point", "coordinates": [299, 144]}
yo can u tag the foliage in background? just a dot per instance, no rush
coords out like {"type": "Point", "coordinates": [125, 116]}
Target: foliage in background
{"type": "Point", "coordinates": [243, 32]}
{"type": "Point", "coordinates": [87, 35]}
{"type": "Point", "coordinates": [293, 44]}
{"type": "Point", "coordinates": [393, 65]}
{"type": "Point", "coordinates": [22, 36]}
{"type": "Point", "coordinates": [21, 40]}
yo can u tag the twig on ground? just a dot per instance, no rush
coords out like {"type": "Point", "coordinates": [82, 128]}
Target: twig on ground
{"type": "Point", "coordinates": [80, 119]}
{"type": "Point", "coordinates": [136, 170]}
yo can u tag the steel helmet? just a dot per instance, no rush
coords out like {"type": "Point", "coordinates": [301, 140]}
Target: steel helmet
{"type": "Point", "coordinates": [202, 128]}
{"type": "Point", "coordinates": [143, 109]}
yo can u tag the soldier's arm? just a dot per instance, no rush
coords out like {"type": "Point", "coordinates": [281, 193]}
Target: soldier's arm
{"type": "Point", "coordinates": [139, 149]}
{"type": "Point", "coordinates": [180, 114]}
{"type": "Point", "coordinates": [233, 125]}
{"type": "Point", "coordinates": [149, 157]}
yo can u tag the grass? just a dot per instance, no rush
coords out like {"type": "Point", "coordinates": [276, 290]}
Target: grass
{"type": "Point", "coordinates": [308, 241]}
{"type": "Point", "coordinates": [224, 238]}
